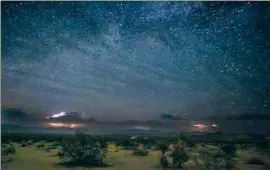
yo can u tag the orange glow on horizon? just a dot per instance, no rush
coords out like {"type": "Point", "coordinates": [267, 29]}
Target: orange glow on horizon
{"type": "Point", "coordinates": [66, 125]}
{"type": "Point", "coordinates": [200, 126]}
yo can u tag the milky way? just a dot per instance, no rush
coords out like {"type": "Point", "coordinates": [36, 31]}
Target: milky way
{"type": "Point", "coordinates": [123, 60]}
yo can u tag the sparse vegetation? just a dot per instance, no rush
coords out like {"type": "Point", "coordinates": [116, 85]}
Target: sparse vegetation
{"type": "Point", "coordinates": [139, 152]}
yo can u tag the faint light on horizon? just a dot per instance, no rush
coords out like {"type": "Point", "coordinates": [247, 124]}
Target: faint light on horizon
{"type": "Point", "coordinates": [66, 125]}
{"type": "Point", "coordinates": [142, 127]}
{"type": "Point", "coordinates": [200, 126]}
{"type": "Point", "coordinates": [214, 125]}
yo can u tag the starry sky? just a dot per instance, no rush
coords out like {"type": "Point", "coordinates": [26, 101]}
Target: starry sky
{"type": "Point", "coordinates": [156, 63]}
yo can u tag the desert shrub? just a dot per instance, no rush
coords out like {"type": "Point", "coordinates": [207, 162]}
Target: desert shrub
{"type": "Point", "coordinates": [60, 154]}
{"type": "Point", "coordinates": [48, 150]}
{"type": "Point", "coordinates": [208, 163]}
{"type": "Point", "coordinates": [229, 149]}
{"type": "Point", "coordinates": [190, 143]}
{"type": "Point", "coordinates": [263, 145]}
{"type": "Point", "coordinates": [51, 147]}
{"type": "Point", "coordinates": [112, 148]}
{"type": "Point", "coordinates": [213, 158]}
{"type": "Point", "coordinates": [30, 142]}
{"type": "Point", "coordinates": [128, 143]}
{"type": "Point", "coordinates": [23, 145]}
{"type": "Point", "coordinates": [255, 161]}
{"type": "Point", "coordinates": [7, 149]}
{"type": "Point", "coordinates": [81, 150]}
{"type": "Point", "coordinates": [213, 161]}
{"type": "Point", "coordinates": [243, 146]}
{"type": "Point", "coordinates": [140, 150]}
{"type": "Point", "coordinates": [180, 156]}
{"type": "Point", "coordinates": [180, 153]}
{"type": "Point", "coordinates": [26, 143]}
{"type": "Point", "coordinates": [194, 164]}
{"type": "Point", "coordinates": [40, 145]}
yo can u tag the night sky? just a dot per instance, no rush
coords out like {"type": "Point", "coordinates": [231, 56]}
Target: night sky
{"type": "Point", "coordinates": [148, 65]}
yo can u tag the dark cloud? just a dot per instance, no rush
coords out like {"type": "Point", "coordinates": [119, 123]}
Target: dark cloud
{"type": "Point", "coordinates": [72, 117]}
{"type": "Point", "coordinates": [150, 123]}
{"type": "Point", "coordinates": [20, 116]}
{"type": "Point", "coordinates": [245, 122]}
{"type": "Point", "coordinates": [241, 122]}
{"type": "Point", "coordinates": [171, 117]}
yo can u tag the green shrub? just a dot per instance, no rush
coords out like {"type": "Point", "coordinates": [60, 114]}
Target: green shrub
{"type": "Point", "coordinates": [82, 150]}
{"type": "Point", "coordinates": [51, 147]}
{"type": "Point", "coordinates": [255, 161]}
{"type": "Point", "coordinates": [60, 154]}
{"type": "Point", "coordinates": [194, 164]}
{"type": "Point", "coordinates": [180, 153]}
{"type": "Point", "coordinates": [48, 150]}
{"type": "Point", "coordinates": [26, 143]}
{"type": "Point", "coordinates": [7, 149]}
{"type": "Point", "coordinates": [23, 145]}
{"type": "Point", "coordinates": [229, 149]}
{"type": "Point", "coordinates": [140, 150]}
{"type": "Point", "coordinates": [163, 147]}
{"type": "Point", "coordinates": [40, 145]}
{"type": "Point", "coordinates": [180, 156]}
{"type": "Point", "coordinates": [211, 162]}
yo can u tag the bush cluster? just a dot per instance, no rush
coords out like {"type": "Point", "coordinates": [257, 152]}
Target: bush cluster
{"type": "Point", "coordinates": [7, 148]}
{"type": "Point", "coordinates": [83, 151]}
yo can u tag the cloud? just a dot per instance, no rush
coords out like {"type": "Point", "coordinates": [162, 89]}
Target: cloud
{"type": "Point", "coordinates": [170, 117]}
{"type": "Point", "coordinates": [70, 117]}
{"type": "Point", "coordinates": [147, 123]}
{"type": "Point", "coordinates": [20, 116]}
{"type": "Point", "coordinates": [23, 117]}
{"type": "Point", "coordinates": [142, 127]}
{"type": "Point", "coordinates": [241, 122]}
{"type": "Point", "coordinates": [245, 122]}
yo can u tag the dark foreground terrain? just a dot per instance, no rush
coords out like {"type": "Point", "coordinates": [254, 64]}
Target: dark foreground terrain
{"type": "Point", "coordinates": [24, 151]}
